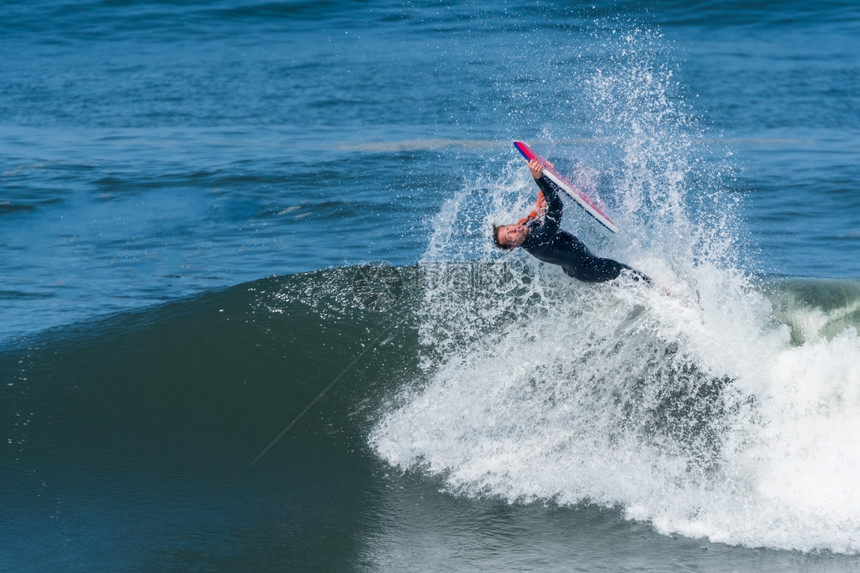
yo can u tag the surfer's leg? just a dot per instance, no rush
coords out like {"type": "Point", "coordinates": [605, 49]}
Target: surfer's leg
{"type": "Point", "coordinates": [581, 264]}
{"type": "Point", "coordinates": [597, 270]}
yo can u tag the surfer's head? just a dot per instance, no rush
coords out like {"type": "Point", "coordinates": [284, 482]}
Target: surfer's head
{"type": "Point", "coordinates": [509, 237]}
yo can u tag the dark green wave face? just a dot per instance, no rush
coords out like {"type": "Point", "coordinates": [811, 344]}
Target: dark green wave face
{"type": "Point", "coordinates": [283, 423]}
{"type": "Point", "coordinates": [149, 424]}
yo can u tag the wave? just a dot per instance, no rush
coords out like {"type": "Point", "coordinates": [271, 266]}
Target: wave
{"type": "Point", "coordinates": [692, 418]}
{"type": "Point", "coordinates": [678, 412]}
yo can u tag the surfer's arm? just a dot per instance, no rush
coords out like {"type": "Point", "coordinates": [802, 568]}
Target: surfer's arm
{"type": "Point", "coordinates": [552, 202]}
{"type": "Point", "coordinates": [544, 226]}
{"type": "Point", "coordinates": [540, 205]}
{"type": "Point", "coordinates": [554, 206]}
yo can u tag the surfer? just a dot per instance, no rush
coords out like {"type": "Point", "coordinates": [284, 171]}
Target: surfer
{"type": "Point", "coordinates": [540, 235]}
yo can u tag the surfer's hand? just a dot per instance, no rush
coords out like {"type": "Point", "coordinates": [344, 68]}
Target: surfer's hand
{"type": "Point", "coordinates": [536, 168]}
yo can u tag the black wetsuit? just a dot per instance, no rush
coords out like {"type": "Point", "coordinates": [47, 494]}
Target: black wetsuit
{"type": "Point", "coordinates": [548, 243]}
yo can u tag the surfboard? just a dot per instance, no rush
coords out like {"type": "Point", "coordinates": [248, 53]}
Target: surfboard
{"type": "Point", "coordinates": [568, 187]}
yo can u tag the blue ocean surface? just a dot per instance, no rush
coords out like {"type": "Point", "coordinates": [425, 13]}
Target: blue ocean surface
{"type": "Point", "coordinates": [252, 317]}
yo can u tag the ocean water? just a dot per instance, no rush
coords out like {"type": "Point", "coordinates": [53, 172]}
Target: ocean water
{"type": "Point", "coordinates": [252, 318]}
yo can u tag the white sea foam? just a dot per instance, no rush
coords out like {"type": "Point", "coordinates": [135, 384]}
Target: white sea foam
{"type": "Point", "coordinates": [706, 413]}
